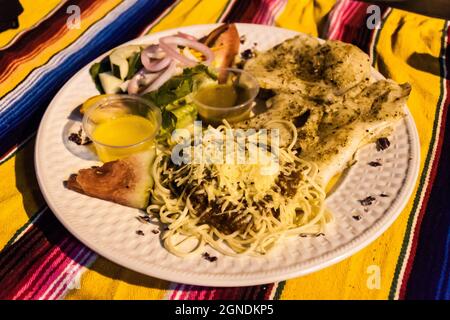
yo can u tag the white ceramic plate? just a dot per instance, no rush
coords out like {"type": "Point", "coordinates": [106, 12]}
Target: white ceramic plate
{"type": "Point", "coordinates": [110, 229]}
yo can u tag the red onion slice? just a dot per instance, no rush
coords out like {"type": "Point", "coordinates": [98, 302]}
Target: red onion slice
{"type": "Point", "coordinates": [152, 52]}
{"type": "Point", "coordinates": [175, 55]}
{"type": "Point", "coordinates": [166, 44]}
{"type": "Point", "coordinates": [141, 78]}
{"type": "Point", "coordinates": [133, 85]}
{"type": "Point", "coordinates": [186, 36]}
{"type": "Point", "coordinates": [165, 75]}
{"type": "Point", "coordinates": [158, 65]}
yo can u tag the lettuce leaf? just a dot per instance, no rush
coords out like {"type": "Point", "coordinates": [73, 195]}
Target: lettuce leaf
{"type": "Point", "coordinates": [177, 115]}
{"type": "Point", "coordinates": [168, 124]}
{"type": "Point", "coordinates": [179, 86]}
{"type": "Point", "coordinates": [185, 113]}
{"type": "Point", "coordinates": [173, 98]}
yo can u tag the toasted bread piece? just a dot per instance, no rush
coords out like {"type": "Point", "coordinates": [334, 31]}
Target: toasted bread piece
{"type": "Point", "coordinates": [224, 40]}
{"type": "Point", "coordinates": [126, 181]}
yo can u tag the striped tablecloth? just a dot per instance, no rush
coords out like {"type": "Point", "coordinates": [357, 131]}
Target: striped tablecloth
{"type": "Point", "coordinates": [39, 259]}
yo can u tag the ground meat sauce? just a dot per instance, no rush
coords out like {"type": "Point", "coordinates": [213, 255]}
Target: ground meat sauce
{"type": "Point", "coordinates": [212, 215]}
{"type": "Point", "coordinates": [210, 212]}
{"type": "Point", "coordinates": [288, 183]}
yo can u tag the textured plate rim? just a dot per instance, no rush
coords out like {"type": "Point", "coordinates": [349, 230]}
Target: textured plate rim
{"type": "Point", "coordinates": [338, 254]}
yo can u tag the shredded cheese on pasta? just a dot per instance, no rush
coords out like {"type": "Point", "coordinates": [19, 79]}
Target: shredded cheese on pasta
{"type": "Point", "coordinates": [237, 208]}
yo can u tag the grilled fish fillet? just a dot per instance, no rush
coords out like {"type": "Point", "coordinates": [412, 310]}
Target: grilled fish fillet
{"type": "Point", "coordinates": [303, 65]}
{"type": "Point", "coordinates": [328, 93]}
{"type": "Point", "coordinates": [376, 111]}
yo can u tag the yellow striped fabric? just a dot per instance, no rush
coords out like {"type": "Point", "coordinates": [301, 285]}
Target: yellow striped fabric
{"type": "Point", "coordinates": [34, 13]}
{"type": "Point", "coordinates": [20, 197]}
{"type": "Point", "coordinates": [413, 34]}
{"type": "Point", "coordinates": [190, 12]}
{"type": "Point", "coordinates": [67, 37]}
{"type": "Point", "coordinates": [403, 38]}
{"type": "Point", "coordinates": [105, 279]}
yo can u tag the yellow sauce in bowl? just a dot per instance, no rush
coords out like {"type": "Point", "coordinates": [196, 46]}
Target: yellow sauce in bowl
{"type": "Point", "coordinates": [130, 131]}
{"type": "Point", "coordinates": [123, 131]}
{"type": "Point", "coordinates": [121, 125]}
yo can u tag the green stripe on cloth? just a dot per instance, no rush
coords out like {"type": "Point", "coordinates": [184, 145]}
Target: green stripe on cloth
{"type": "Point", "coordinates": [279, 290]}
{"type": "Point", "coordinates": [396, 283]}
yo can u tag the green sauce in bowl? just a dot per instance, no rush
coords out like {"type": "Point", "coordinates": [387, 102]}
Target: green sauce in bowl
{"type": "Point", "coordinates": [231, 101]}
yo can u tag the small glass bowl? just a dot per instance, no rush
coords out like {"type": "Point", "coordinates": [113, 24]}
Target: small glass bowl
{"type": "Point", "coordinates": [116, 106]}
{"type": "Point", "coordinates": [215, 114]}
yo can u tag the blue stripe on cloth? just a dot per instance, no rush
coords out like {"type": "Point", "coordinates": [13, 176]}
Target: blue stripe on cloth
{"type": "Point", "coordinates": [443, 289]}
{"type": "Point", "coordinates": [21, 109]}
{"type": "Point", "coordinates": [429, 278]}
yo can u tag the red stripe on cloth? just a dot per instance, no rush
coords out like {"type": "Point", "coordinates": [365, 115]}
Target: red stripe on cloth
{"type": "Point", "coordinates": [16, 278]}
{"type": "Point", "coordinates": [348, 23]}
{"type": "Point", "coordinates": [218, 293]}
{"type": "Point", "coordinates": [24, 32]}
{"type": "Point", "coordinates": [265, 12]}
{"type": "Point", "coordinates": [346, 15]}
{"type": "Point", "coordinates": [252, 11]}
{"type": "Point", "coordinates": [269, 291]}
{"type": "Point", "coordinates": [32, 42]}
{"type": "Point", "coordinates": [71, 271]}
{"type": "Point", "coordinates": [12, 64]}
{"type": "Point", "coordinates": [351, 22]}
{"type": "Point", "coordinates": [249, 293]}
{"type": "Point", "coordinates": [12, 255]}
{"type": "Point", "coordinates": [40, 271]}
{"type": "Point", "coordinates": [185, 292]}
{"type": "Point", "coordinates": [175, 290]}
{"type": "Point", "coordinates": [9, 152]}
{"type": "Point", "coordinates": [53, 269]}
{"type": "Point", "coordinates": [38, 261]}
{"type": "Point", "coordinates": [433, 171]}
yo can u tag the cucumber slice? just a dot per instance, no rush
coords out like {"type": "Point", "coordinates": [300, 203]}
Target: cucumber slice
{"type": "Point", "coordinates": [110, 83]}
{"type": "Point", "coordinates": [119, 60]}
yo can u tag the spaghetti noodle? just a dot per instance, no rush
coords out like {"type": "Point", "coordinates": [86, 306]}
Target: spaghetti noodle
{"type": "Point", "coordinates": [237, 208]}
